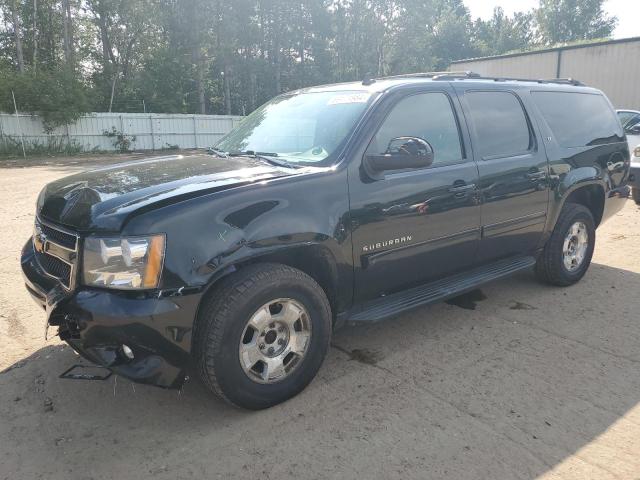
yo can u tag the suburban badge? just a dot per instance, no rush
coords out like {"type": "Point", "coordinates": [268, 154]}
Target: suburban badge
{"type": "Point", "coordinates": [386, 243]}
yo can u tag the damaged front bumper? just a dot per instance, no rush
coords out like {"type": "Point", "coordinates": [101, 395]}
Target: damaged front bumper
{"type": "Point", "coordinates": [144, 338]}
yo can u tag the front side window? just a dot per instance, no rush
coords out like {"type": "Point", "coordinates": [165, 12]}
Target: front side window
{"type": "Point", "coordinates": [306, 128]}
{"type": "Point", "coordinates": [630, 122]}
{"type": "Point", "coordinates": [428, 116]}
{"type": "Point", "coordinates": [625, 116]}
{"type": "Point", "coordinates": [500, 124]}
{"type": "Point", "coordinates": [578, 119]}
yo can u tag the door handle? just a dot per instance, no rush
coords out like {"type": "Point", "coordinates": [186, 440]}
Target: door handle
{"type": "Point", "coordinates": [462, 190]}
{"type": "Point", "coordinates": [539, 175]}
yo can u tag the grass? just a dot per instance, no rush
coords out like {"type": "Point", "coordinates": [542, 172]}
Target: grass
{"type": "Point", "coordinates": [11, 147]}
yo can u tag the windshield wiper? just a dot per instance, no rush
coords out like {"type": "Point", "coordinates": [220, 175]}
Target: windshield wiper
{"type": "Point", "coordinates": [217, 152]}
{"type": "Point", "coordinates": [266, 156]}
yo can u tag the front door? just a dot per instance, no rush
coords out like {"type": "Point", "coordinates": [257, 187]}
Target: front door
{"type": "Point", "coordinates": [513, 170]}
{"type": "Point", "coordinates": [413, 226]}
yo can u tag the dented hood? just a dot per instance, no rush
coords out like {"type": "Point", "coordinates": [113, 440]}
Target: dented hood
{"type": "Point", "coordinates": [102, 199]}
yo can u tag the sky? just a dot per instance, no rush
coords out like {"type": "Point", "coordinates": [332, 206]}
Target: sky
{"type": "Point", "coordinates": [627, 11]}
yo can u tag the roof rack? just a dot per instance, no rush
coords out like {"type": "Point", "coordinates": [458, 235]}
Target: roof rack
{"type": "Point", "coordinates": [570, 81]}
{"type": "Point", "coordinates": [476, 76]}
{"type": "Point", "coordinates": [433, 75]}
{"type": "Point", "coordinates": [562, 81]}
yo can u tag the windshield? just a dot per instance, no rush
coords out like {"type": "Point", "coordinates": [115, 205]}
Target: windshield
{"type": "Point", "coordinates": [306, 128]}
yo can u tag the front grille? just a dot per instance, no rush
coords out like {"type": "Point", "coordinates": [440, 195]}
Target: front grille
{"type": "Point", "coordinates": [56, 268]}
{"type": "Point", "coordinates": [63, 239]}
{"type": "Point", "coordinates": [56, 252]}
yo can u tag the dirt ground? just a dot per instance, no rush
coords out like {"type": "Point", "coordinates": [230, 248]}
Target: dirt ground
{"type": "Point", "coordinates": [521, 381]}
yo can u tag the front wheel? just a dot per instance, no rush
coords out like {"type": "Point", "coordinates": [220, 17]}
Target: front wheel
{"type": "Point", "coordinates": [635, 193]}
{"type": "Point", "coordinates": [262, 335]}
{"type": "Point", "coordinates": [567, 255]}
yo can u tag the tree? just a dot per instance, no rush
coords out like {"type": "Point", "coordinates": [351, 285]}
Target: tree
{"type": "Point", "coordinates": [501, 34]}
{"type": "Point", "coordinates": [17, 35]}
{"type": "Point", "coordinates": [230, 56]}
{"type": "Point", "coordinates": [57, 96]}
{"type": "Point", "coordinates": [68, 34]}
{"type": "Point", "coordinates": [452, 33]}
{"type": "Point", "coordinates": [562, 21]}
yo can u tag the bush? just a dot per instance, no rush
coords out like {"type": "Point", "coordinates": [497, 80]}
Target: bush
{"type": "Point", "coordinates": [121, 141]}
{"type": "Point", "coordinates": [56, 96]}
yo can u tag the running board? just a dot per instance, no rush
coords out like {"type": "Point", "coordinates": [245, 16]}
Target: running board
{"type": "Point", "coordinates": [438, 291]}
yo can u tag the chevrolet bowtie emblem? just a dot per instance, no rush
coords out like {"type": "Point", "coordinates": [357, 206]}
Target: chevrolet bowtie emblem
{"type": "Point", "coordinates": [39, 240]}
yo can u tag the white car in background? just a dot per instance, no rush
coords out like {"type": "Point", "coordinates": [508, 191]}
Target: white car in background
{"type": "Point", "coordinates": [630, 120]}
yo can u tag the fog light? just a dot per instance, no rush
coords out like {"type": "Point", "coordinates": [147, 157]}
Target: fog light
{"type": "Point", "coordinates": [127, 352]}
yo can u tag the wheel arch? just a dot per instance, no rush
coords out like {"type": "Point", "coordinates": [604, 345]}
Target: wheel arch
{"type": "Point", "coordinates": [591, 195]}
{"type": "Point", "coordinates": [315, 260]}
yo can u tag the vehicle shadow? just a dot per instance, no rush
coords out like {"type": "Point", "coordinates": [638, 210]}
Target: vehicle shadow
{"type": "Point", "coordinates": [511, 382]}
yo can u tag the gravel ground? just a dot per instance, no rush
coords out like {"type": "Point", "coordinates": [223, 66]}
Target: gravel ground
{"type": "Point", "coordinates": [519, 380]}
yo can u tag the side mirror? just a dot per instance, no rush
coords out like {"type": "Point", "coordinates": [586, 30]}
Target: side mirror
{"type": "Point", "coordinates": [635, 130]}
{"type": "Point", "coordinates": [402, 153]}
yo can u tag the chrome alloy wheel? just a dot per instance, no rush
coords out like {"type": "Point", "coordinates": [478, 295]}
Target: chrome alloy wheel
{"type": "Point", "coordinates": [275, 340]}
{"type": "Point", "coordinates": [575, 246]}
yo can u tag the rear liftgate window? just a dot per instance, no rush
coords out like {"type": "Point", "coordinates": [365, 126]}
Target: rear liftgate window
{"type": "Point", "coordinates": [578, 119]}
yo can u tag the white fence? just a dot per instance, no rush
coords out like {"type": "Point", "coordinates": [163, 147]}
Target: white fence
{"type": "Point", "coordinates": [153, 131]}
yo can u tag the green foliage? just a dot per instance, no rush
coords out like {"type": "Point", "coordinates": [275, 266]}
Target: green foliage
{"type": "Point", "coordinates": [57, 96]}
{"type": "Point", "coordinates": [502, 34]}
{"type": "Point", "coordinates": [11, 147]}
{"type": "Point", "coordinates": [230, 56]}
{"type": "Point", "coordinates": [563, 21]}
{"type": "Point", "coordinates": [121, 141]}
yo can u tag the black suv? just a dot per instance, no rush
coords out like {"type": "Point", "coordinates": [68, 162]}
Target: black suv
{"type": "Point", "coordinates": [333, 204]}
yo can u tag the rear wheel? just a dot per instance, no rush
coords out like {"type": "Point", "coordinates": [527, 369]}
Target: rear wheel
{"type": "Point", "coordinates": [567, 255]}
{"type": "Point", "coordinates": [262, 335]}
{"type": "Point", "coordinates": [635, 193]}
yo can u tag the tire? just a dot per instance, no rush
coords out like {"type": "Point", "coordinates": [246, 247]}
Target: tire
{"type": "Point", "coordinates": [222, 329]}
{"type": "Point", "coordinates": [550, 267]}
{"type": "Point", "coordinates": [635, 193]}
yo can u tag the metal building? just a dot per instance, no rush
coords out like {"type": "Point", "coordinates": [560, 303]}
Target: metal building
{"type": "Point", "coordinates": [612, 66]}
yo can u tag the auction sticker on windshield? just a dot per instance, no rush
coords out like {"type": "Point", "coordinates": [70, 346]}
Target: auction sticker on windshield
{"type": "Point", "coordinates": [349, 98]}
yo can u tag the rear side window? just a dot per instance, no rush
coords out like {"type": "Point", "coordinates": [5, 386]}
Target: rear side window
{"type": "Point", "coordinates": [500, 124]}
{"type": "Point", "coordinates": [578, 119]}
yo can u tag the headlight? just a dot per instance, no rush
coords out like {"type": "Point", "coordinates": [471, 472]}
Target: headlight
{"type": "Point", "coordinates": [123, 262]}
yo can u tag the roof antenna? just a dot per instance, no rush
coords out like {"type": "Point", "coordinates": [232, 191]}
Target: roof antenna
{"type": "Point", "coordinates": [367, 80]}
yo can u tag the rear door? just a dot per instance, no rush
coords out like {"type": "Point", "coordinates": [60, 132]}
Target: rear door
{"type": "Point", "coordinates": [513, 171]}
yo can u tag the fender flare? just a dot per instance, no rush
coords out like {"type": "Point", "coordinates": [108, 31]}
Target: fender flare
{"type": "Point", "coordinates": [572, 182]}
{"type": "Point", "coordinates": [335, 270]}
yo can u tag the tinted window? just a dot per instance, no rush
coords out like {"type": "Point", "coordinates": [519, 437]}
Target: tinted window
{"type": "Point", "coordinates": [500, 124]}
{"type": "Point", "coordinates": [631, 121]}
{"type": "Point", "coordinates": [578, 119]}
{"type": "Point", "coordinates": [625, 117]}
{"type": "Point", "coordinates": [428, 116]}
